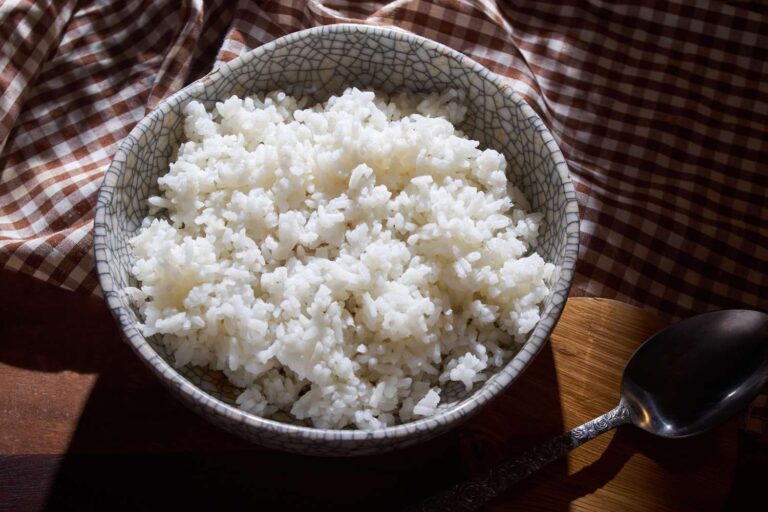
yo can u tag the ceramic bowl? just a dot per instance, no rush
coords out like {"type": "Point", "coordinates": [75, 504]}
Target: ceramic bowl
{"type": "Point", "coordinates": [319, 62]}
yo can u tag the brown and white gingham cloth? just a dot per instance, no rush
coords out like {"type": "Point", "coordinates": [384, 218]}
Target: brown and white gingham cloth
{"type": "Point", "coordinates": [661, 110]}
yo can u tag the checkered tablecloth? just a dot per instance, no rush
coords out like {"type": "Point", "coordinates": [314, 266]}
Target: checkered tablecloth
{"type": "Point", "coordinates": [661, 111]}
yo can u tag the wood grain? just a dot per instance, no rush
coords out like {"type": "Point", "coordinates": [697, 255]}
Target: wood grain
{"type": "Point", "coordinates": [83, 425]}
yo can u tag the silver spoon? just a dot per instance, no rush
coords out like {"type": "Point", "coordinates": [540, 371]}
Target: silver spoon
{"type": "Point", "coordinates": [684, 380]}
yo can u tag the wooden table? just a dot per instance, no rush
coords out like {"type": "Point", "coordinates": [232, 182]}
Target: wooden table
{"type": "Point", "coordinates": [84, 425]}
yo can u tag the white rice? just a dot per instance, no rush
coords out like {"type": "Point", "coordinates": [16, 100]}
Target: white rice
{"type": "Point", "coordinates": [339, 262]}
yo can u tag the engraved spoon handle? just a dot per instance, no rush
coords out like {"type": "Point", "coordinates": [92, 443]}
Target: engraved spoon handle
{"type": "Point", "coordinates": [473, 494]}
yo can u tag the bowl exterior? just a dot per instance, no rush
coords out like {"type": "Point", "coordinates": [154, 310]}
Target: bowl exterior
{"type": "Point", "coordinates": [316, 63]}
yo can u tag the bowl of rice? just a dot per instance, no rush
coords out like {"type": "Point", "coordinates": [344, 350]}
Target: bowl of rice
{"type": "Point", "coordinates": [343, 242]}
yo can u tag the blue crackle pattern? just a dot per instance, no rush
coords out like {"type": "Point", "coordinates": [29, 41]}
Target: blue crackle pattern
{"type": "Point", "coordinates": [317, 63]}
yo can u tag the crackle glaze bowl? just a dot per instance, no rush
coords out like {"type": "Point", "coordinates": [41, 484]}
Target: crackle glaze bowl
{"type": "Point", "coordinates": [318, 62]}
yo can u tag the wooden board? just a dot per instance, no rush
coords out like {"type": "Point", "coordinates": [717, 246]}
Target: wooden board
{"type": "Point", "coordinates": [574, 379]}
{"type": "Point", "coordinates": [84, 425]}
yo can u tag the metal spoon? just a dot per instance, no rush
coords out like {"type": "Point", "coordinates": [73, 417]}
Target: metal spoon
{"type": "Point", "coordinates": [684, 380]}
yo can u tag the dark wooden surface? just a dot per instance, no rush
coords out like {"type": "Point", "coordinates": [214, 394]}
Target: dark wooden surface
{"type": "Point", "coordinates": [84, 426]}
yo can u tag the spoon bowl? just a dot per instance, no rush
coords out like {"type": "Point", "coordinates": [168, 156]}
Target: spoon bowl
{"type": "Point", "coordinates": [697, 373]}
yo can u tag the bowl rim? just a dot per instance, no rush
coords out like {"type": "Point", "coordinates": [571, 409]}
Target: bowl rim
{"type": "Point", "coordinates": [443, 419]}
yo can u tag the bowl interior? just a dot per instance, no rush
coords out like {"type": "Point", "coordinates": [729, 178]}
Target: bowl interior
{"type": "Point", "coordinates": [319, 64]}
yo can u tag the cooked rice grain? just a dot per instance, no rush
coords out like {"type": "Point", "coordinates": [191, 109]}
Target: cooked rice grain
{"type": "Point", "coordinates": [339, 262]}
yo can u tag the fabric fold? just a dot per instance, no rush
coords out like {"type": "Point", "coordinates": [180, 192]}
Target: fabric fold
{"type": "Point", "coordinates": [29, 31]}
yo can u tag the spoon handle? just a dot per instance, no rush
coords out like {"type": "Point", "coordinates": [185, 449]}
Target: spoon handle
{"type": "Point", "coordinates": [472, 494]}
